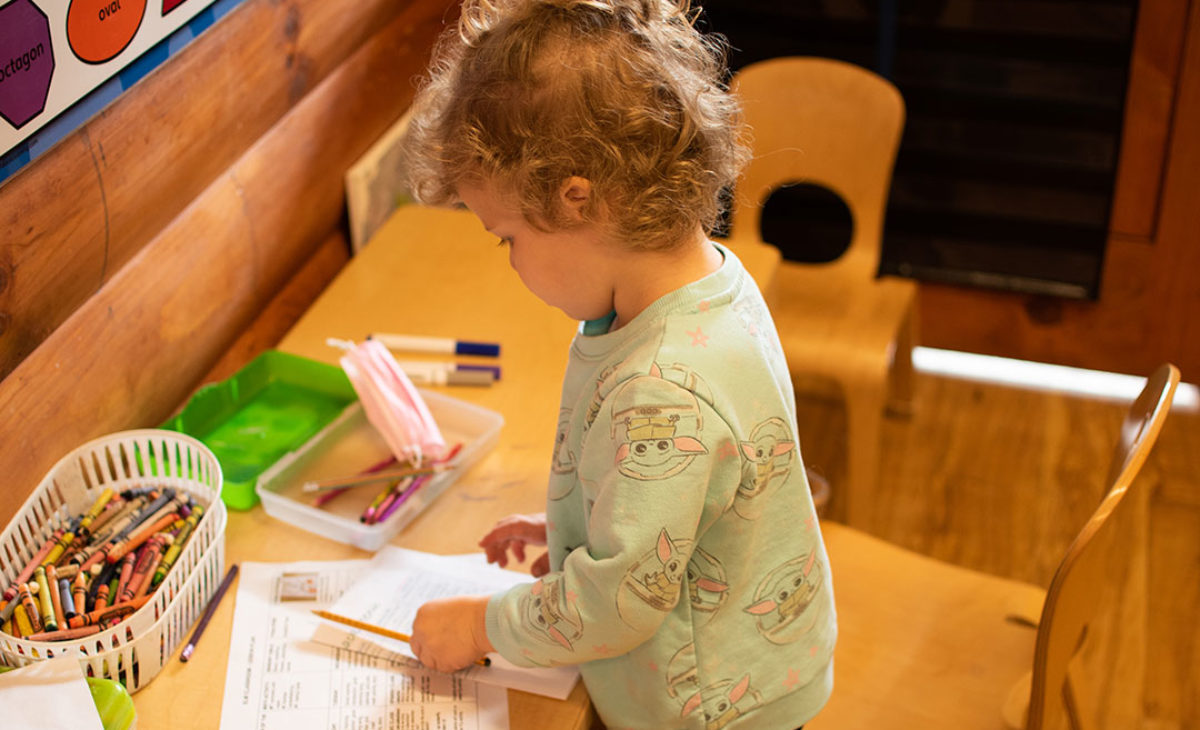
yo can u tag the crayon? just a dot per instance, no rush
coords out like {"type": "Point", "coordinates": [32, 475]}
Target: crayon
{"type": "Point", "coordinates": [79, 592]}
{"type": "Point", "coordinates": [368, 515]}
{"type": "Point", "coordinates": [55, 596]}
{"type": "Point", "coordinates": [156, 557]}
{"type": "Point", "coordinates": [127, 565]}
{"type": "Point", "coordinates": [29, 608]}
{"type": "Point", "coordinates": [27, 573]}
{"type": "Point", "coordinates": [60, 547]}
{"type": "Point", "coordinates": [176, 547]}
{"type": "Point", "coordinates": [106, 588]}
{"type": "Point", "coordinates": [65, 634]}
{"type": "Point", "coordinates": [141, 568]}
{"type": "Point", "coordinates": [100, 575]}
{"type": "Point", "coordinates": [47, 605]}
{"type": "Point", "coordinates": [97, 507]}
{"type": "Point", "coordinates": [112, 509]}
{"type": "Point", "coordinates": [137, 539]}
{"type": "Point", "coordinates": [7, 607]}
{"type": "Point", "coordinates": [117, 610]}
{"type": "Point", "coordinates": [65, 599]}
{"type": "Point", "coordinates": [22, 622]}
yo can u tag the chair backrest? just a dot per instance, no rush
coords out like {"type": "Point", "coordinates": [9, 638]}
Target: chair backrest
{"type": "Point", "coordinates": [821, 121]}
{"type": "Point", "coordinates": [1092, 576]}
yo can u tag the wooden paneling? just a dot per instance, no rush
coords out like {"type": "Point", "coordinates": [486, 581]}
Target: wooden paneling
{"type": "Point", "coordinates": [130, 354]}
{"type": "Point", "coordinates": [1149, 305]}
{"type": "Point", "coordinates": [72, 219]}
{"type": "Point", "coordinates": [278, 316]}
{"type": "Point", "coordinates": [1149, 103]}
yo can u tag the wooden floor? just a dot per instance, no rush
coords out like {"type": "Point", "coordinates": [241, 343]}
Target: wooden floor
{"type": "Point", "coordinates": [1000, 479]}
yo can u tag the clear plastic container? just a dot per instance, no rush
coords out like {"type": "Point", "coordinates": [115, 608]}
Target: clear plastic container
{"type": "Point", "coordinates": [349, 445]}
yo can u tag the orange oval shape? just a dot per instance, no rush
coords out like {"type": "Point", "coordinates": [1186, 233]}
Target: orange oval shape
{"type": "Point", "coordinates": [98, 30]}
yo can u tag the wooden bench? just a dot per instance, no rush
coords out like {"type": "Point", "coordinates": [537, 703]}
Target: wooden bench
{"type": "Point", "coordinates": [179, 232]}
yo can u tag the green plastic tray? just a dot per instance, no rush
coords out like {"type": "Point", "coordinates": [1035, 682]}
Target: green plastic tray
{"type": "Point", "coordinates": [267, 409]}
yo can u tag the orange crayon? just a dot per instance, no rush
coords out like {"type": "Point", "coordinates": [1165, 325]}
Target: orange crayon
{"type": "Point", "coordinates": [55, 598]}
{"type": "Point", "coordinates": [65, 634]}
{"type": "Point", "coordinates": [117, 610]}
{"type": "Point", "coordinates": [79, 592]}
{"type": "Point", "coordinates": [30, 608]}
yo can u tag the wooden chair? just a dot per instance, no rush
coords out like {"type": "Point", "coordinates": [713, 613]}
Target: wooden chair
{"type": "Point", "coordinates": [813, 120]}
{"type": "Point", "coordinates": [923, 644]}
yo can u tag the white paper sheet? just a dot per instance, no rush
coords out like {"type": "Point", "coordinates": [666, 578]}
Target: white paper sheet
{"type": "Point", "coordinates": [395, 584]}
{"type": "Point", "coordinates": [279, 679]}
{"type": "Point", "coordinates": [49, 693]}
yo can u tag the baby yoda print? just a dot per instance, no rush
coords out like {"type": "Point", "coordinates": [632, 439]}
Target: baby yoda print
{"type": "Point", "coordinates": [548, 610]}
{"type": "Point", "coordinates": [661, 422]}
{"type": "Point", "coordinates": [654, 580]}
{"type": "Point", "coordinates": [769, 452]}
{"type": "Point", "coordinates": [784, 598]}
{"type": "Point", "coordinates": [563, 463]}
{"type": "Point", "coordinates": [723, 702]}
{"type": "Point", "coordinates": [707, 588]}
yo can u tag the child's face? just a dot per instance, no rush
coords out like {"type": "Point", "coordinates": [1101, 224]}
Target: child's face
{"type": "Point", "coordinates": [567, 269]}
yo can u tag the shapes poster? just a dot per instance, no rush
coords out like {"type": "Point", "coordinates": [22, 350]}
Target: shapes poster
{"type": "Point", "coordinates": [53, 53]}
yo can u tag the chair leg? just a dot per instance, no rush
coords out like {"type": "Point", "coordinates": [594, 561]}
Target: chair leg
{"type": "Point", "coordinates": [900, 375]}
{"type": "Point", "coordinates": [864, 420]}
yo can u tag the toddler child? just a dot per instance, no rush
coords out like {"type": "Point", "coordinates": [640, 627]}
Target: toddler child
{"type": "Point", "coordinates": [685, 572]}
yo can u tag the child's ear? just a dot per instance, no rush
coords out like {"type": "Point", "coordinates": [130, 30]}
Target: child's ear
{"type": "Point", "coordinates": [574, 196]}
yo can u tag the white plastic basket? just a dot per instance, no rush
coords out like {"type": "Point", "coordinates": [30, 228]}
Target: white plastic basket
{"type": "Point", "coordinates": [134, 650]}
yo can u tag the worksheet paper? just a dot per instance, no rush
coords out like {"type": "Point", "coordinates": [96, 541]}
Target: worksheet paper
{"type": "Point", "coordinates": [278, 679]}
{"type": "Point", "coordinates": [395, 584]}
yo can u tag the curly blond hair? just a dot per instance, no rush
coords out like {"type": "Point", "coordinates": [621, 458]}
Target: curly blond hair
{"type": "Point", "coordinates": [625, 93]}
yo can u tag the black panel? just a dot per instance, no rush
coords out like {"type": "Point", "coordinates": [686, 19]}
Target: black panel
{"type": "Point", "coordinates": [1007, 165]}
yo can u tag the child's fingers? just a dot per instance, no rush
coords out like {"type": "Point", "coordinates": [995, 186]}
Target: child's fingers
{"type": "Point", "coordinates": [541, 566]}
{"type": "Point", "coordinates": [518, 548]}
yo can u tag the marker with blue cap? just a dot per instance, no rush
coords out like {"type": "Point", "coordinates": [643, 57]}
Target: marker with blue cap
{"type": "Point", "coordinates": [441, 345]}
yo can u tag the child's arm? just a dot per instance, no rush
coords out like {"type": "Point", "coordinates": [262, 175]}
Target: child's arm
{"type": "Point", "coordinates": [450, 633]}
{"type": "Point", "coordinates": [647, 500]}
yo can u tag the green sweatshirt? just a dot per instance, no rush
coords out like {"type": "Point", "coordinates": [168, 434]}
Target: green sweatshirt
{"type": "Point", "coordinates": [688, 576]}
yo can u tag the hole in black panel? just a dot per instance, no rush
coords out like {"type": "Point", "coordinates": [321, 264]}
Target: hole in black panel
{"type": "Point", "coordinates": [807, 223]}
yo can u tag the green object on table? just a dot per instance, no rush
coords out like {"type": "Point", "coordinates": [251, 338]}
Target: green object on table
{"type": "Point", "coordinates": [268, 408]}
{"type": "Point", "coordinates": [113, 703]}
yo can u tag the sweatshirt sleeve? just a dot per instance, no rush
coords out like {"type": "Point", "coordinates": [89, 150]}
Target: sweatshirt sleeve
{"type": "Point", "coordinates": [653, 468]}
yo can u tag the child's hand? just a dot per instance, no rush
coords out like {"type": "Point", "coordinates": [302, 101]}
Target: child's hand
{"type": "Point", "coordinates": [514, 533]}
{"type": "Point", "coordinates": [451, 633]}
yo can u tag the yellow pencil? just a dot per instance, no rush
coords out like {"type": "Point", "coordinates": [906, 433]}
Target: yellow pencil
{"type": "Point", "coordinates": [483, 662]}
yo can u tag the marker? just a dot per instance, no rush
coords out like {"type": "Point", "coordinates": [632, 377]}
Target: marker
{"type": "Point", "coordinates": [443, 345]}
{"type": "Point", "coordinates": [449, 373]}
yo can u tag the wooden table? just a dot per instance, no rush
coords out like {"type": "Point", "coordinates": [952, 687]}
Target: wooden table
{"type": "Point", "coordinates": [428, 272]}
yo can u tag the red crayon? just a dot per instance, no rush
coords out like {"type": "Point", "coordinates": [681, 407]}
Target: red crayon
{"type": "Point", "coordinates": [147, 561]}
{"type": "Point", "coordinates": [127, 564]}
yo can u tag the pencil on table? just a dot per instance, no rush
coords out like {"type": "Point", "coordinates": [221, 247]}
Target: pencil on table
{"type": "Point", "coordinates": [321, 485]}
